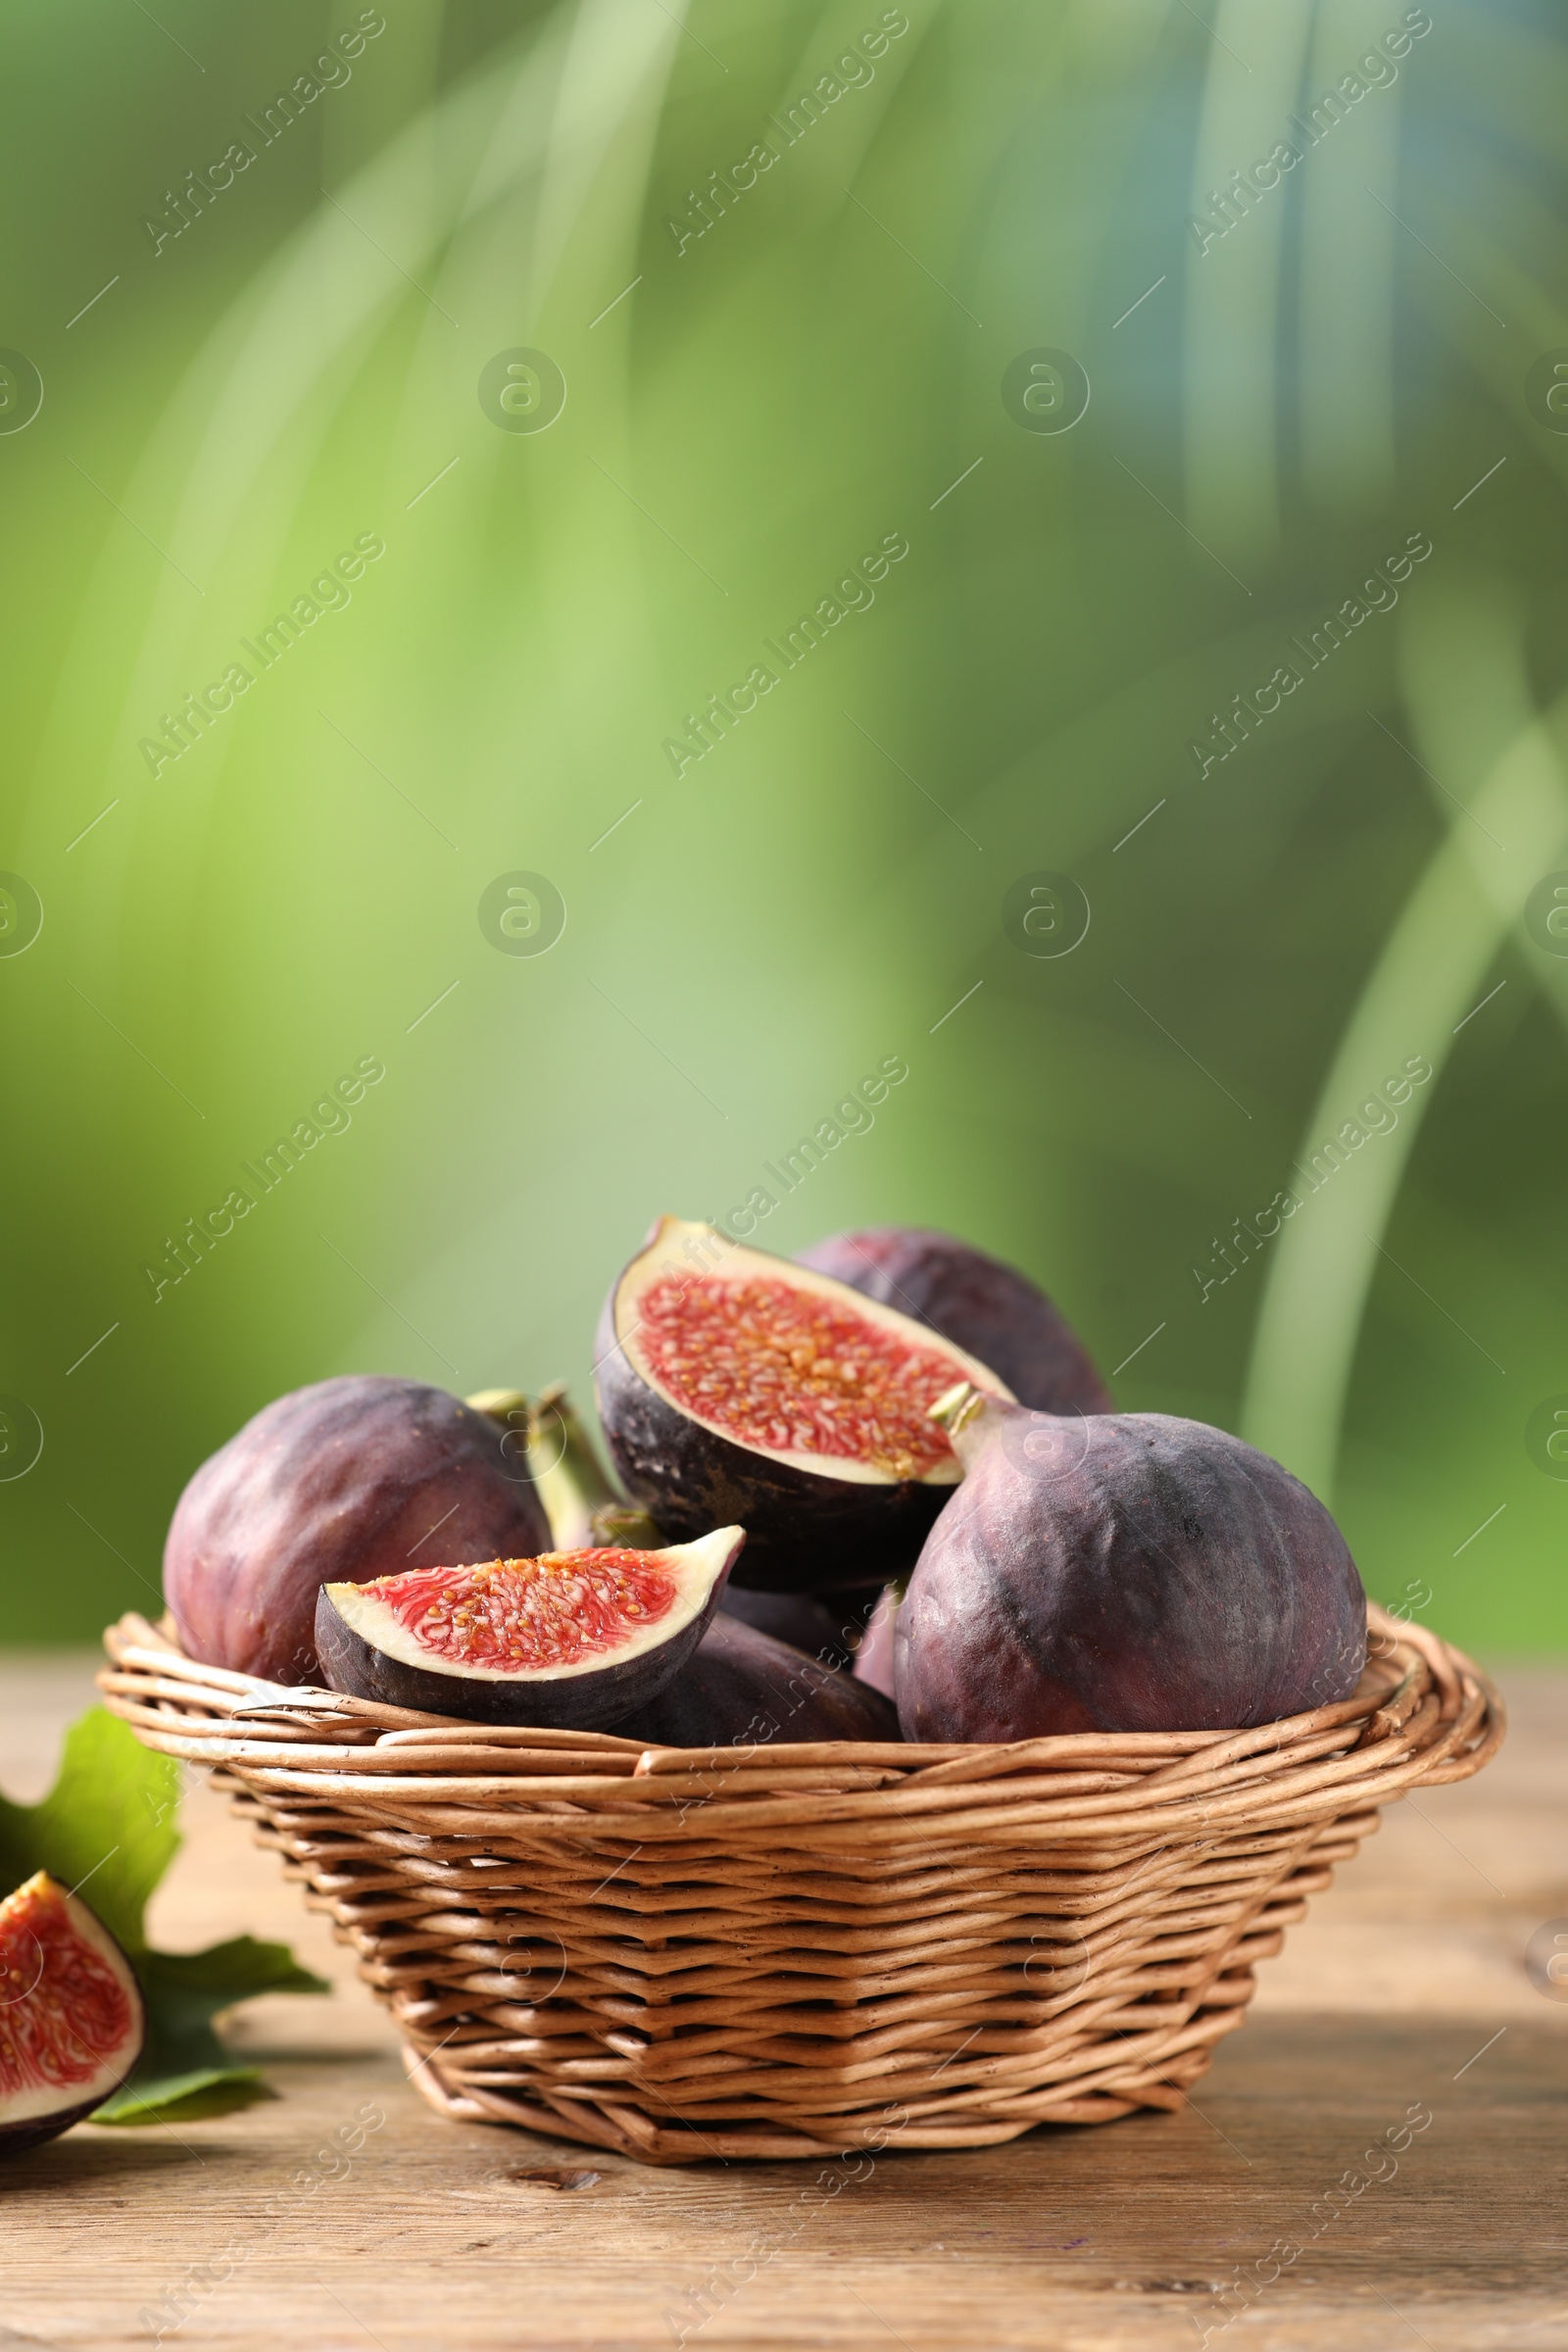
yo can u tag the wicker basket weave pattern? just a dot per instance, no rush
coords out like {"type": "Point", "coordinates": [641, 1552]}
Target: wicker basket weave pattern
{"type": "Point", "coordinates": [780, 1949]}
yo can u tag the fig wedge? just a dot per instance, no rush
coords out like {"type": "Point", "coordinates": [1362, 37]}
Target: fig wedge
{"type": "Point", "coordinates": [572, 1640]}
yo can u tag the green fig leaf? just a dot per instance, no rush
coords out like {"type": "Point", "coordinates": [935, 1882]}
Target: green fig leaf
{"type": "Point", "coordinates": [186, 1991]}
{"type": "Point", "coordinates": [188, 2098]}
{"type": "Point", "coordinates": [108, 1830]}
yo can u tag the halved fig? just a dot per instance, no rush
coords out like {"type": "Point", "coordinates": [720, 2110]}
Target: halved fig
{"type": "Point", "coordinates": [736, 1384]}
{"type": "Point", "coordinates": [72, 2023]}
{"type": "Point", "coordinates": [743, 1689]}
{"type": "Point", "coordinates": [569, 1640]}
{"type": "Point", "coordinates": [997, 1313]}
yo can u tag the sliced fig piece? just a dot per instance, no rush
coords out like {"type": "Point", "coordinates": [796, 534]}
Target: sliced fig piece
{"type": "Point", "coordinates": [977, 1302]}
{"type": "Point", "coordinates": [347, 1480]}
{"type": "Point", "coordinates": [570, 1639]}
{"type": "Point", "coordinates": [741, 1687]}
{"type": "Point", "coordinates": [1121, 1572]}
{"type": "Point", "coordinates": [735, 1385]}
{"type": "Point", "coordinates": [72, 2024]}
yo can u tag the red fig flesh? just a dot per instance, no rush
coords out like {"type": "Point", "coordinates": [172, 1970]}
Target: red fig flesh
{"type": "Point", "coordinates": [976, 1302]}
{"type": "Point", "coordinates": [740, 1386]}
{"type": "Point", "coordinates": [71, 2019]}
{"type": "Point", "coordinates": [572, 1638]}
{"type": "Point", "coordinates": [1124, 1572]}
{"type": "Point", "coordinates": [348, 1480]}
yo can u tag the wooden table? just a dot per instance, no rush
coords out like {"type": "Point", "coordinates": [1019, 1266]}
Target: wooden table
{"type": "Point", "coordinates": [1404, 1992]}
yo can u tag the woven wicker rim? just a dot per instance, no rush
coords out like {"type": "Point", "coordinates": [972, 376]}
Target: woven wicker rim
{"type": "Point", "coordinates": [898, 1890]}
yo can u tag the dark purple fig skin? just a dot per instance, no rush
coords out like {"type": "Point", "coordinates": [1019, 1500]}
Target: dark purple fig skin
{"type": "Point", "coordinates": [817, 1627]}
{"type": "Point", "coordinates": [335, 1483]}
{"type": "Point", "coordinates": [742, 1688]}
{"type": "Point", "coordinates": [977, 1302]}
{"type": "Point", "coordinates": [804, 1533]}
{"type": "Point", "coordinates": [1126, 1572]}
{"type": "Point", "coordinates": [17, 2138]}
{"type": "Point", "coordinates": [581, 1703]}
{"type": "Point", "coordinates": [856, 1605]}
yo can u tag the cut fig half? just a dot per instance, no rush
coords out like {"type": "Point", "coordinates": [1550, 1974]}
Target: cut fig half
{"type": "Point", "coordinates": [977, 1302]}
{"type": "Point", "coordinates": [736, 1384]}
{"type": "Point", "coordinates": [572, 1640]}
{"type": "Point", "coordinates": [72, 2023]}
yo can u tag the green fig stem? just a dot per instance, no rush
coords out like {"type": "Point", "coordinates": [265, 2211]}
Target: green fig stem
{"type": "Point", "coordinates": [500, 1405]}
{"type": "Point", "coordinates": [622, 1527]}
{"type": "Point", "coordinates": [581, 1503]}
{"type": "Point", "coordinates": [969, 1418]}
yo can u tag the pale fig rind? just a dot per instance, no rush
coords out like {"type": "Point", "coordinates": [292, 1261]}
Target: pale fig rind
{"type": "Point", "coordinates": [810, 1529]}
{"type": "Point", "coordinates": [986, 1307]}
{"type": "Point", "coordinates": [366, 1652]}
{"type": "Point", "coordinates": [1123, 1572]}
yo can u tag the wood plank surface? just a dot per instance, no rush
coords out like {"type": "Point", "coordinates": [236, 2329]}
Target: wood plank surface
{"type": "Point", "coordinates": [1402, 1997]}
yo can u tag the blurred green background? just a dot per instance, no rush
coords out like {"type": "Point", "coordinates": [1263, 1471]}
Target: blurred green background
{"type": "Point", "coordinates": [1289, 381]}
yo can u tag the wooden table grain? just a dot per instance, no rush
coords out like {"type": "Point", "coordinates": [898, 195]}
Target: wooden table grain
{"type": "Point", "coordinates": [1405, 1996]}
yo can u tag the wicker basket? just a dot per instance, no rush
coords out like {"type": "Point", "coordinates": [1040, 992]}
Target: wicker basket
{"type": "Point", "coordinates": [682, 1953]}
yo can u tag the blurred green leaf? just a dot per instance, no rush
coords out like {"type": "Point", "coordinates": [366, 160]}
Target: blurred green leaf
{"type": "Point", "coordinates": [189, 2098]}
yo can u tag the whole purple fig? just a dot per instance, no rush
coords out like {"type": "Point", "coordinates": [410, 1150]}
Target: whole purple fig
{"type": "Point", "coordinates": [813, 1626]}
{"type": "Point", "coordinates": [741, 1687]}
{"type": "Point", "coordinates": [1126, 1572]}
{"type": "Point", "coordinates": [348, 1480]}
{"type": "Point", "coordinates": [977, 1302]}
